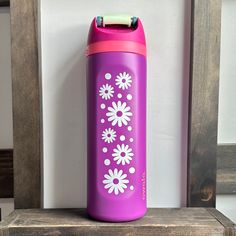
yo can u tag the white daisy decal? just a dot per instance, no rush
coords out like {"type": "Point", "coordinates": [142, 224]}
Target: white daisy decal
{"type": "Point", "coordinates": [123, 80]}
{"type": "Point", "coordinates": [106, 91]}
{"type": "Point", "coordinates": [109, 135]}
{"type": "Point", "coordinates": [119, 113]}
{"type": "Point", "coordinates": [122, 154]}
{"type": "Point", "coordinates": [115, 181]}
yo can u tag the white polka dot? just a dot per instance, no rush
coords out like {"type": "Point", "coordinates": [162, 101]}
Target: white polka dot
{"type": "Point", "coordinates": [119, 95]}
{"type": "Point", "coordinates": [129, 96]}
{"type": "Point", "coordinates": [104, 149]}
{"type": "Point", "coordinates": [131, 187]}
{"type": "Point", "coordinates": [131, 170]}
{"type": "Point", "coordinates": [103, 106]}
{"type": "Point", "coordinates": [102, 121]}
{"type": "Point", "coordinates": [107, 76]}
{"type": "Point", "coordinates": [129, 128]}
{"type": "Point", "coordinates": [131, 140]}
{"type": "Point", "coordinates": [107, 162]}
{"type": "Point", "coordinates": [122, 138]}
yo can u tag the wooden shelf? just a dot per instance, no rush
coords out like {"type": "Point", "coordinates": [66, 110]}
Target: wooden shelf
{"type": "Point", "coordinates": [162, 221]}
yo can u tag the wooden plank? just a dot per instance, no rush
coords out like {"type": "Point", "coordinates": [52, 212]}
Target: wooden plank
{"type": "Point", "coordinates": [6, 173]}
{"type": "Point", "coordinates": [226, 222]}
{"type": "Point", "coordinates": [182, 221]}
{"type": "Point", "coordinates": [203, 103]}
{"type": "Point", "coordinates": [4, 3]}
{"type": "Point", "coordinates": [26, 103]}
{"type": "Point", "coordinates": [226, 169]}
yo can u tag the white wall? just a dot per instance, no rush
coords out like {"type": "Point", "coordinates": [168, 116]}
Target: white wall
{"type": "Point", "coordinates": [226, 203]}
{"type": "Point", "coordinates": [227, 95]}
{"type": "Point", "coordinates": [64, 28]}
{"type": "Point", "coordinates": [6, 134]}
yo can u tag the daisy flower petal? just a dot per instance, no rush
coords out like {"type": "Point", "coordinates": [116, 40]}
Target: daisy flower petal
{"type": "Point", "coordinates": [119, 114]}
{"type": "Point", "coordinates": [106, 91]}
{"type": "Point", "coordinates": [109, 135]}
{"type": "Point", "coordinates": [123, 80]}
{"type": "Point", "coordinates": [116, 182]}
{"type": "Point", "coordinates": [122, 154]}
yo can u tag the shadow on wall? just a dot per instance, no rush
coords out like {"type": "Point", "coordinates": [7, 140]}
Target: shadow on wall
{"type": "Point", "coordinates": [69, 150]}
{"type": "Point", "coordinates": [185, 99]}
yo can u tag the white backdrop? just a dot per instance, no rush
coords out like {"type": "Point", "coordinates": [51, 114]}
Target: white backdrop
{"type": "Point", "coordinates": [6, 129]}
{"type": "Point", "coordinates": [227, 105]}
{"type": "Point", "coordinates": [64, 28]}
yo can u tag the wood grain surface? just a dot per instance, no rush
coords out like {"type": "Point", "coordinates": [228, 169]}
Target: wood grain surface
{"type": "Point", "coordinates": [26, 103]}
{"type": "Point", "coordinates": [183, 221]}
{"type": "Point", "coordinates": [203, 104]}
{"type": "Point", "coordinates": [229, 226]}
{"type": "Point", "coordinates": [6, 173]}
{"type": "Point", "coordinates": [226, 169]}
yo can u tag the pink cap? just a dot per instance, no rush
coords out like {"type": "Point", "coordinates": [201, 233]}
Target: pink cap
{"type": "Point", "coordinates": [117, 38]}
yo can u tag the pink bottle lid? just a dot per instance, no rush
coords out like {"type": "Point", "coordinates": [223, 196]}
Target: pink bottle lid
{"type": "Point", "coordinates": [116, 38]}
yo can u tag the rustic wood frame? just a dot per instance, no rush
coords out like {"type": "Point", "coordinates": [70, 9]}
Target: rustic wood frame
{"type": "Point", "coordinates": [207, 159]}
{"type": "Point", "coordinates": [157, 221]}
{"type": "Point", "coordinates": [203, 103]}
{"type": "Point", "coordinates": [226, 169]}
{"type": "Point", "coordinates": [26, 103]}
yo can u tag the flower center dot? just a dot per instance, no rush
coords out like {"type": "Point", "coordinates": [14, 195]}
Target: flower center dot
{"type": "Point", "coordinates": [106, 91]}
{"type": "Point", "coordinates": [119, 113]}
{"type": "Point", "coordinates": [115, 181]}
{"type": "Point", "coordinates": [123, 80]}
{"type": "Point", "coordinates": [122, 154]}
{"type": "Point", "coordinates": [109, 135]}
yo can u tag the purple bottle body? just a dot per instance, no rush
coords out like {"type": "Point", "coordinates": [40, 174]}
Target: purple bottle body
{"type": "Point", "coordinates": [116, 88]}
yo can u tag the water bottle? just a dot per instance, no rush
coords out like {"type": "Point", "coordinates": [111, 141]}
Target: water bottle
{"type": "Point", "coordinates": [116, 119]}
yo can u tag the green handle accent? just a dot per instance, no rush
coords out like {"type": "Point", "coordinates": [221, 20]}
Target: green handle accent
{"type": "Point", "coordinates": [102, 21]}
{"type": "Point", "coordinates": [118, 20]}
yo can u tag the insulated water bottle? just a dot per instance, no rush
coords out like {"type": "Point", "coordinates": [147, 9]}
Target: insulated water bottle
{"type": "Point", "coordinates": [116, 119]}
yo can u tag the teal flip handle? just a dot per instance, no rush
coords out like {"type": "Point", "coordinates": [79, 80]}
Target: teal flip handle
{"type": "Point", "coordinates": [129, 21]}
